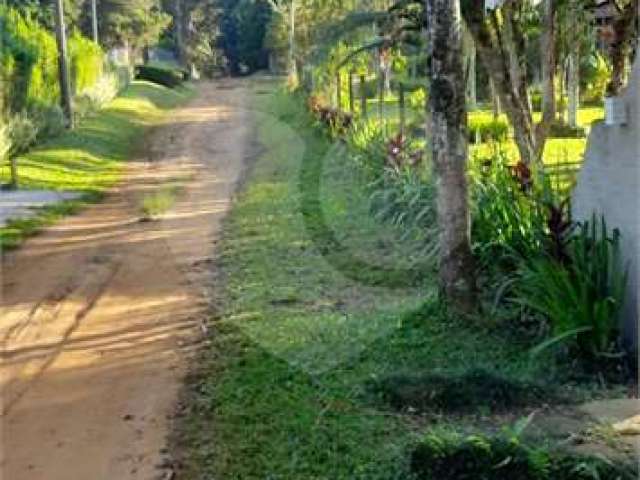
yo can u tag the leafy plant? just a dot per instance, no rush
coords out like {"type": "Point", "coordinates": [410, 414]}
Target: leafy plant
{"type": "Point", "coordinates": [580, 295]}
{"type": "Point", "coordinates": [508, 221]}
{"type": "Point", "coordinates": [48, 119]}
{"type": "Point", "coordinates": [163, 76]}
{"type": "Point", "coordinates": [418, 98]}
{"type": "Point", "coordinates": [23, 133]}
{"type": "Point", "coordinates": [406, 199]}
{"type": "Point", "coordinates": [449, 456]}
{"type": "Point", "coordinates": [485, 128]}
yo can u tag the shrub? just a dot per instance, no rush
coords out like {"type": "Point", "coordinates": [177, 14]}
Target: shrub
{"type": "Point", "coordinates": [336, 121]}
{"type": "Point", "coordinates": [22, 132]}
{"type": "Point", "coordinates": [563, 130]}
{"type": "Point", "coordinates": [487, 129]}
{"type": "Point", "coordinates": [367, 147]}
{"type": "Point", "coordinates": [581, 292]}
{"type": "Point", "coordinates": [48, 120]}
{"type": "Point", "coordinates": [163, 76]}
{"type": "Point", "coordinates": [28, 61]}
{"type": "Point", "coordinates": [418, 99]}
{"type": "Point", "coordinates": [87, 63]}
{"type": "Point", "coordinates": [405, 198]}
{"type": "Point", "coordinates": [451, 457]}
{"type": "Point", "coordinates": [29, 66]}
{"type": "Point", "coordinates": [508, 217]}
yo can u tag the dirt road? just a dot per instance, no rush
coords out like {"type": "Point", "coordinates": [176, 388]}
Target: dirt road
{"type": "Point", "coordinates": [101, 313]}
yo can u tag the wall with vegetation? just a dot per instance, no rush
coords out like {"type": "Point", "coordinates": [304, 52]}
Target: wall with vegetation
{"type": "Point", "coordinates": [609, 184]}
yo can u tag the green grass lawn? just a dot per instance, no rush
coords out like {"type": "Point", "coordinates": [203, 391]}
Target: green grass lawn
{"type": "Point", "coordinates": [90, 158]}
{"type": "Point", "coordinates": [320, 302]}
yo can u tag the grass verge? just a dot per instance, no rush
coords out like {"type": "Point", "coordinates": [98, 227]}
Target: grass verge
{"type": "Point", "coordinates": [91, 158]}
{"type": "Point", "coordinates": [306, 324]}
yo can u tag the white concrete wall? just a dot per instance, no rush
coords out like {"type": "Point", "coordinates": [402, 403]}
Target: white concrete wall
{"type": "Point", "coordinates": [609, 184]}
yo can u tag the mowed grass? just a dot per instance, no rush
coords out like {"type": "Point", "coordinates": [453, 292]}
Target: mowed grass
{"type": "Point", "coordinates": [91, 158]}
{"type": "Point", "coordinates": [319, 302]}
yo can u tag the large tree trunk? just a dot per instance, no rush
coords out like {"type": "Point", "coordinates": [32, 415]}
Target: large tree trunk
{"type": "Point", "coordinates": [449, 146]}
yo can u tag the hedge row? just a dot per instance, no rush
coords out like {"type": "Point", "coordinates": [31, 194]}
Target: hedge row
{"type": "Point", "coordinates": [168, 77]}
{"type": "Point", "coordinates": [29, 63]}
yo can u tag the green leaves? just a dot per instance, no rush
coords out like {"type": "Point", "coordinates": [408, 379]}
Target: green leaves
{"type": "Point", "coordinates": [581, 297]}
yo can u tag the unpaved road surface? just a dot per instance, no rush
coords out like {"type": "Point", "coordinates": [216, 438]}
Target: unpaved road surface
{"type": "Point", "coordinates": [101, 313]}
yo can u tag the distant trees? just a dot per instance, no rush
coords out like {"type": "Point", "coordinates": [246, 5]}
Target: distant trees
{"type": "Point", "coordinates": [243, 25]}
{"type": "Point", "coordinates": [134, 23]}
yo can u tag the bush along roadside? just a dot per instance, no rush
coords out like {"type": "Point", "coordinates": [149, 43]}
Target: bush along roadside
{"type": "Point", "coordinates": [168, 77]}
{"type": "Point", "coordinates": [566, 276]}
{"type": "Point", "coordinates": [564, 282]}
{"type": "Point", "coordinates": [89, 159]}
{"type": "Point", "coordinates": [449, 456]}
{"type": "Point", "coordinates": [308, 355]}
{"type": "Point", "coordinates": [29, 111]}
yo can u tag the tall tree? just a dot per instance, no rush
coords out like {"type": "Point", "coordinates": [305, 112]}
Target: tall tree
{"type": "Point", "coordinates": [450, 150]}
{"type": "Point", "coordinates": [501, 41]}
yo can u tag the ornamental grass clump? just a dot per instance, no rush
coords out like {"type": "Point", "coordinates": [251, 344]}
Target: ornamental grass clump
{"type": "Point", "coordinates": [579, 292]}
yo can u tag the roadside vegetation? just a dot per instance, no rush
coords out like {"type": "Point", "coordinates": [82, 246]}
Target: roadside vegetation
{"type": "Point", "coordinates": [319, 366]}
{"type": "Point", "coordinates": [91, 158]}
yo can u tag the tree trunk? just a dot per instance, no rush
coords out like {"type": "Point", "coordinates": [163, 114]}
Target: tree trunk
{"type": "Point", "coordinates": [450, 148]}
{"type": "Point", "coordinates": [501, 44]}
{"type": "Point", "coordinates": [338, 92]}
{"type": "Point", "coordinates": [549, 63]}
{"type": "Point", "coordinates": [402, 109]}
{"type": "Point", "coordinates": [14, 172]}
{"type": "Point", "coordinates": [94, 20]}
{"type": "Point", "coordinates": [363, 96]}
{"type": "Point", "coordinates": [179, 29]}
{"type": "Point", "coordinates": [624, 29]}
{"type": "Point", "coordinates": [293, 68]}
{"type": "Point", "coordinates": [472, 88]}
{"type": "Point", "coordinates": [352, 106]}
{"type": "Point", "coordinates": [63, 66]}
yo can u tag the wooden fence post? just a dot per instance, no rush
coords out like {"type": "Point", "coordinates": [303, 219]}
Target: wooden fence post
{"type": "Point", "coordinates": [63, 65]}
{"type": "Point", "coordinates": [401, 105]}
{"type": "Point", "coordinates": [351, 99]}
{"type": "Point", "coordinates": [381, 99]}
{"type": "Point", "coordinates": [363, 96]}
{"type": "Point", "coordinates": [338, 92]}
